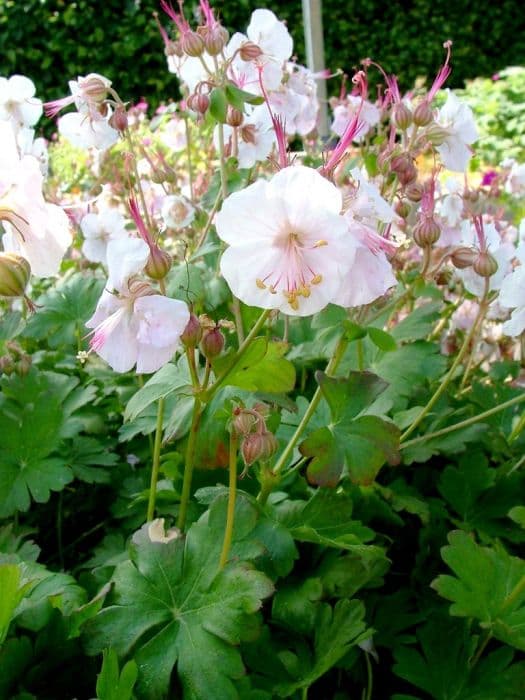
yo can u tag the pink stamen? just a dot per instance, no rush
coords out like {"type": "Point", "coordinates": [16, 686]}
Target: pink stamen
{"type": "Point", "coordinates": [443, 73]}
{"type": "Point", "coordinates": [139, 223]}
{"type": "Point", "coordinates": [208, 13]}
{"type": "Point", "coordinates": [179, 19]}
{"type": "Point", "coordinates": [480, 232]}
{"type": "Point", "coordinates": [52, 108]}
{"type": "Point", "coordinates": [279, 127]}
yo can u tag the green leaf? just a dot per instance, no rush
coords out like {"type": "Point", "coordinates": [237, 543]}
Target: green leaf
{"type": "Point", "coordinates": [418, 324]}
{"type": "Point", "coordinates": [518, 515]}
{"type": "Point", "coordinates": [237, 97]}
{"type": "Point", "coordinates": [362, 443]}
{"type": "Point", "coordinates": [383, 340]}
{"type": "Point", "coordinates": [13, 591]}
{"type": "Point", "coordinates": [461, 486]}
{"type": "Point", "coordinates": [218, 105]}
{"type": "Point", "coordinates": [337, 630]}
{"type": "Point", "coordinates": [261, 368]}
{"type": "Point", "coordinates": [170, 378]}
{"type": "Point", "coordinates": [112, 684]}
{"type": "Point", "coordinates": [172, 605]}
{"type": "Point", "coordinates": [490, 587]}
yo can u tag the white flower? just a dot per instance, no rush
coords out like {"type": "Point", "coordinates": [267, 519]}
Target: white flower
{"type": "Point", "coordinates": [125, 257]}
{"type": "Point", "coordinates": [84, 131]}
{"type": "Point", "coordinates": [270, 34]}
{"type": "Point", "coordinates": [457, 118]}
{"type": "Point", "coordinates": [451, 206]}
{"type": "Point", "coordinates": [255, 138]}
{"type": "Point", "coordinates": [366, 203]}
{"type": "Point", "coordinates": [512, 296]}
{"type": "Point", "coordinates": [18, 103]}
{"type": "Point", "coordinates": [501, 251]}
{"type": "Point", "coordinates": [38, 231]}
{"type": "Point", "coordinates": [177, 211]}
{"type": "Point", "coordinates": [137, 330]}
{"type": "Point", "coordinates": [289, 247]}
{"type": "Point", "coordinates": [98, 230]}
{"type": "Point", "coordinates": [173, 134]}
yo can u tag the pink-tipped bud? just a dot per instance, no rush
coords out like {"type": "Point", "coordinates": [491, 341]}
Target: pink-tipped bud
{"type": "Point", "coordinates": [234, 117]}
{"type": "Point", "coordinates": [158, 264]}
{"type": "Point", "coordinates": [402, 116]}
{"type": "Point", "coordinates": [212, 343]}
{"type": "Point", "coordinates": [250, 51]}
{"type": "Point", "coordinates": [15, 272]}
{"type": "Point", "coordinates": [426, 232]}
{"type": "Point", "coordinates": [192, 334]}
{"type": "Point", "coordinates": [423, 114]}
{"type": "Point", "coordinates": [403, 166]}
{"type": "Point", "coordinates": [215, 38]}
{"type": "Point", "coordinates": [198, 103]}
{"type": "Point", "coordinates": [485, 265]}
{"type": "Point", "coordinates": [243, 421]}
{"type": "Point", "coordinates": [402, 209]}
{"type": "Point", "coordinates": [119, 119]}
{"type": "Point", "coordinates": [414, 192]}
{"type": "Point", "coordinates": [463, 257]}
{"type": "Point", "coordinates": [258, 446]}
{"type": "Point", "coordinates": [192, 44]}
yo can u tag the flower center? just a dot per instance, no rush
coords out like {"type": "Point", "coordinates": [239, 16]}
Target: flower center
{"type": "Point", "coordinates": [293, 275]}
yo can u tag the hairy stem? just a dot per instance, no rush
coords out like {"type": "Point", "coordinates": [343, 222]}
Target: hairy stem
{"type": "Point", "coordinates": [232, 494]}
{"type": "Point", "coordinates": [156, 461]}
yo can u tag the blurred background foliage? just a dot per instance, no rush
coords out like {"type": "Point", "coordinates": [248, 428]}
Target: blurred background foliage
{"type": "Point", "coordinates": [53, 41]}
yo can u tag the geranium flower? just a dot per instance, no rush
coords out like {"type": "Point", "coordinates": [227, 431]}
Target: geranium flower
{"type": "Point", "coordinates": [458, 121]}
{"type": "Point", "coordinates": [512, 295]}
{"type": "Point", "coordinates": [98, 230]}
{"type": "Point", "coordinates": [18, 103]}
{"type": "Point", "coordinates": [289, 247]}
{"type": "Point", "coordinates": [177, 211]}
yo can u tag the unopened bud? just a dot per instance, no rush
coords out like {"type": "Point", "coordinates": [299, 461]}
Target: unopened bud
{"type": "Point", "coordinates": [436, 134]}
{"type": "Point", "coordinates": [258, 446]}
{"type": "Point", "coordinates": [414, 192]}
{"type": "Point", "coordinates": [463, 257]}
{"type": "Point", "coordinates": [250, 51]}
{"type": "Point", "coordinates": [119, 119]}
{"type": "Point", "coordinates": [198, 103]}
{"type": "Point", "coordinates": [7, 365]}
{"type": "Point", "coordinates": [24, 365]}
{"type": "Point", "coordinates": [212, 343]}
{"type": "Point", "coordinates": [402, 209]}
{"type": "Point", "coordinates": [471, 195]}
{"type": "Point", "coordinates": [94, 87]}
{"type": "Point", "coordinates": [402, 116]}
{"type": "Point", "coordinates": [234, 117]}
{"type": "Point", "coordinates": [192, 334]}
{"type": "Point", "coordinates": [158, 264]}
{"type": "Point", "coordinates": [423, 114]}
{"type": "Point", "coordinates": [403, 166]}
{"type": "Point", "coordinates": [269, 446]}
{"type": "Point", "coordinates": [426, 232]}
{"type": "Point", "coordinates": [485, 265]}
{"type": "Point", "coordinates": [192, 44]}
{"type": "Point", "coordinates": [215, 38]}
{"type": "Point", "coordinates": [243, 421]}
{"type": "Point", "coordinates": [15, 272]}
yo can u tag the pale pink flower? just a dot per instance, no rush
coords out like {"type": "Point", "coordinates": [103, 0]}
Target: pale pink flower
{"type": "Point", "coordinates": [98, 229]}
{"type": "Point", "coordinates": [458, 121]}
{"type": "Point", "coordinates": [512, 296]}
{"type": "Point", "coordinates": [137, 330]}
{"type": "Point", "coordinates": [255, 138]}
{"type": "Point", "coordinates": [84, 131]}
{"type": "Point", "coordinates": [18, 103]}
{"type": "Point", "coordinates": [289, 247]}
{"type": "Point", "coordinates": [87, 94]}
{"type": "Point", "coordinates": [344, 112]}
{"type": "Point", "coordinates": [38, 231]}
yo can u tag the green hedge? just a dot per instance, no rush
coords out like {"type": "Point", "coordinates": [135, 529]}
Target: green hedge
{"type": "Point", "coordinates": [53, 41]}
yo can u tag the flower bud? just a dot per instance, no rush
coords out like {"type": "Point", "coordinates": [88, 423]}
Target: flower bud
{"type": "Point", "coordinates": [158, 264]}
{"type": "Point", "coordinates": [269, 446]}
{"type": "Point", "coordinates": [426, 232]}
{"type": "Point", "coordinates": [250, 51]}
{"type": "Point", "coordinates": [402, 209]}
{"type": "Point", "coordinates": [402, 116]}
{"type": "Point", "coordinates": [119, 119]}
{"type": "Point", "coordinates": [248, 133]}
{"type": "Point", "coordinates": [192, 44]}
{"type": "Point", "coordinates": [243, 421]}
{"type": "Point", "coordinates": [485, 265]}
{"type": "Point", "coordinates": [423, 114]}
{"type": "Point", "coordinates": [414, 192]}
{"type": "Point", "coordinates": [94, 87]}
{"type": "Point", "coordinates": [212, 343]}
{"type": "Point", "coordinates": [234, 117]}
{"type": "Point", "coordinates": [192, 334]}
{"type": "Point", "coordinates": [24, 365]}
{"type": "Point", "coordinates": [436, 134]}
{"type": "Point", "coordinates": [403, 166]}
{"type": "Point", "coordinates": [198, 103]}
{"type": "Point", "coordinates": [463, 257]}
{"type": "Point", "coordinates": [215, 38]}
{"type": "Point", "coordinates": [7, 365]}
{"type": "Point", "coordinates": [471, 195]}
{"type": "Point", "coordinates": [258, 446]}
{"type": "Point", "coordinates": [15, 272]}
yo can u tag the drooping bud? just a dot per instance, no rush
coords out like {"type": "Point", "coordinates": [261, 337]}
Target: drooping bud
{"type": "Point", "coordinates": [212, 343]}
{"type": "Point", "coordinates": [426, 232]}
{"type": "Point", "coordinates": [252, 448]}
{"type": "Point", "coordinates": [15, 272]}
{"type": "Point", "coordinates": [198, 103]}
{"type": "Point", "coordinates": [402, 116]}
{"type": "Point", "coordinates": [119, 119]}
{"type": "Point", "coordinates": [192, 334]}
{"type": "Point", "coordinates": [243, 421]}
{"type": "Point", "coordinates": [269, 446]}
{"type": "Point", "coordinates": [249, 51]}
{"type": "Point", "coordinates": [234, 117]}
{"type": "Point", "coordinates": [402, 209]}
{"type": "Point", "coordinates": [423, 114]}
{"type": "Point", "coordinates": [158, 264]}
{"type": "Point", "coordinates": [192, 44]}
{"type": "Point", "coordinates": [463, 257]}
{"type": "Point", "coordinates": [94, 87]}
{"type": "Point", "coordinates": [414, 192]}
{"type": "Point", "coordinates": [173, 48]}
{"type": "Point", "coordinates": [403, 166]}
{"type": "Point", "coordinates": [485, 264]}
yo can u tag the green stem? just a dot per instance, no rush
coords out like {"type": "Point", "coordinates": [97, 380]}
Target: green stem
{"type": "Point", "coordinates": [449, 376]}
{"type": "Point", "coordinates": [481, 648]}
{"type": "Point", "coordinates": [131, 145]}
{"type": "Point", "coordinates": [188, 154]}
{"type": "Point", "coordinates": [189, 464]}
{"type": "Point", "coordinates": [360, 356]}
{"type": "Point", "coordinates": [232, 493]}
{"type": "Point", "coordinates": [514, 594]}
{"type": "Point", "coordinates": [304, 693]}
{"type": "Point", "coordinates": [238, 355]}
{"type": "Point", "coordinates": [156, 461]}
{"type": "Point", "coordinates": [236, 308]}
{"type": "Point", "coordinates": [190, 354]}
{"type": "Point", "coordinates": [464, 423]}
{"type": "Point", "coordinates": [330, 369]}
{"type": "Point", "coordinates": [205, 230]}
{"type": "Point", "coordinates": [222, 162]}
{"type": "Point", "coordinates": [370, 678]}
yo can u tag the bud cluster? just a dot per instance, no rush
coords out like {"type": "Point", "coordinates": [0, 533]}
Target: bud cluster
{"type": "Point", "coordinates": [15, 361]}
{"type": "Point", "coordinates": [258, 443]}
